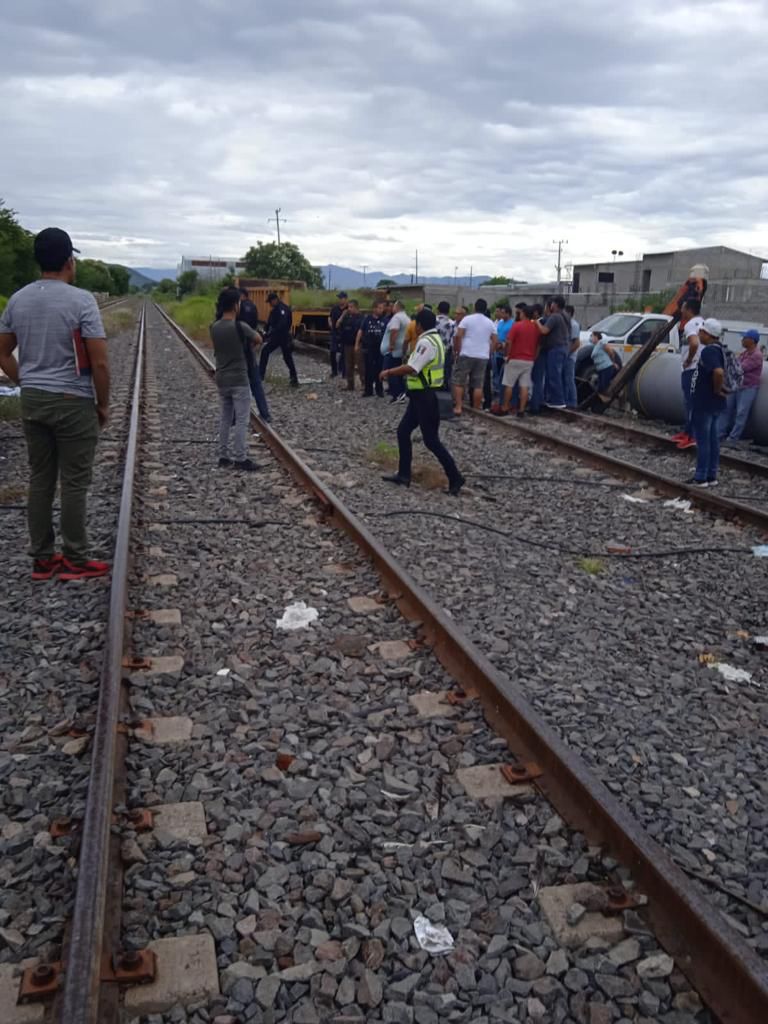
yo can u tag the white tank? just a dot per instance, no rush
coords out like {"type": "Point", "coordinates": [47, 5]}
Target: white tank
{"type": "Point", "coordinates": [656, 393]}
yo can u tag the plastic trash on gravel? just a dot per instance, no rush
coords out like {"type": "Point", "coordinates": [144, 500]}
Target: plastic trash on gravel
{"type": "Point", "coordinates": [634, 499]}
{"type": "Point", "coordinates": [434, 938]}
{"type": "Point", "coordinates": [731, 673]}
{"type": "Point", "coordinates": [679, 505]}
{"type": "Point", "coordinates": [9, 392]}
{"type": "Point", "coordinates": [760, 551]}
{"type": "Point", "coordinates": [298, 615]}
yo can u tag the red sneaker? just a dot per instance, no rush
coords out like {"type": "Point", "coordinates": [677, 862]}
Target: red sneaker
{"type": "Point", "coordinates": [46, 568]}
{"type": "Point", "coordinates": [679, 437]}
{"type": "Point", "coordinates": [687, 442]}
{"type": "Point", "coordinates": [82, 570]}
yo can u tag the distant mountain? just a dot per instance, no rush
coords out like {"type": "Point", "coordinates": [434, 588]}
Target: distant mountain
{"type": "Point", "coordinates": [138, 279]}
{"type": "Point", "coordinates": [155, 274]}
{"type": "Point", "coordinates": [345, 277]}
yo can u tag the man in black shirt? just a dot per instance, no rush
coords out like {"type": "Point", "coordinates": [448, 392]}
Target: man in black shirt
{"type": "Point", "coordinates": [369, 337]}
{"type": "Point", "coordinates": [337, 351]}
{"type": "Point", "coordinates": [248, 313]}
{"type": "Point", "coordinates": [348, 325]}
{"type": "Point", "coordinates": [279, 336]}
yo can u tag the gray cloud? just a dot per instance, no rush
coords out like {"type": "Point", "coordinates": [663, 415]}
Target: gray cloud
{"type": "Point", "coordinates": [477, 134]}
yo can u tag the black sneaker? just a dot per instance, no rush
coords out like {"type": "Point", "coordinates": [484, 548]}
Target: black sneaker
{"type": "Point", "coordinates": [246, 466]}
{"type": "Point", "coordinates": [395, 478]}
{"type": "Point", "coordinates": [711, 483]}
{"type": "Point", "coordinates": [293, 382]}
{"type": "Point", "coordinates": [223, 463]}
{"type": "Point", "coordinates": [455, 487]}
{"type": "Point", "coordinates": [521, 415]}
{"type": "Point", "coordinates": [693, 482]}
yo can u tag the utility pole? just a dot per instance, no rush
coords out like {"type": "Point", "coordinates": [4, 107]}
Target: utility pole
{"type": "Point", "coordinates": [471, 275]}
{"type": "Point", "coordinates": [417, 267]}
{"type": "Point", "coordinates": [276, 219]}
{"type": "Point", "coordinates": [559, 243]}
{"type": "Point", "coordinates": [365, 275]}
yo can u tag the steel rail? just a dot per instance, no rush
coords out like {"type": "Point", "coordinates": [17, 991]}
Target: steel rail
{"type": "Point", "coordinates": [709, 500]}
{"type": "Point", "coordinates": [729, 975]}
{"type": "Point", "coordinates": [82, 975]}
{"type": "Point", "coordinates": [631, 432]}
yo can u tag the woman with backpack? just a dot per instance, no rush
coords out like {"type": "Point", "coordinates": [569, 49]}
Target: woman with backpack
{"type": "Point", "coordinates": [746, 374]}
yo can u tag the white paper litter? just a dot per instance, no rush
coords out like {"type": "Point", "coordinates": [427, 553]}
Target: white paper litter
{"type": "Point", "coordinates": [731, 673]}
{"type": "Point", "coordinates": [298, 615]}
{"type": "Point", "coordinates": [433, 937]}
{"type": "Point", "coordinates": [680, 505]}
{"type": "Point", "coordinates": [223, 671]}
{"type": "Point", "coordinates": [634, 500]}
{"type": "Point", "coordinates": [9, 392]}
{"type": "Point", "coordinates": [761, 551]}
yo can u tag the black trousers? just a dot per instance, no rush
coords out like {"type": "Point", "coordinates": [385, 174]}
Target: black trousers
{"type": "Point", "coordinates": [422, 411]}
{"type": "Point", "coordinates": [373, 364]}
{"type": "Point", "coordinates": [269, 347]}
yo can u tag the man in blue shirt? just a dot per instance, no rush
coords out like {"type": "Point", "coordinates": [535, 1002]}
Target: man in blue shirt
{"type": "Point", "coordinates": [369, 338]}
{"type": "Point", "coordinates": [708, 403]}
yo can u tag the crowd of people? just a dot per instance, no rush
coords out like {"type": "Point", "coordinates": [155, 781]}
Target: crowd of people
{"type": "Point", "coordinates": [529, 351]}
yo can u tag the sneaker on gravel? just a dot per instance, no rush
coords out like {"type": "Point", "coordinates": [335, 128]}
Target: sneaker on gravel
{"type": "Point", "coordinates": [246, 466]}
{"type": "Point", "coordinates": [681, 436]}
{"type": "Point", "coordinates": [395, 478]}
{"type": "Point", "coordinates": [46, 568]}
{"type": "Point", "coordinates": [223, 463]}
{"type": "Point", "coordinates": [687, 442]}
{"type": "Point", "coordinates": [693, 482]}
{"type": "Point", "coordinates": [293, 383]}
{"type": "Point", "coordinates": [711, 483]}
{"type": "Point", "coordinates": [90, 569]}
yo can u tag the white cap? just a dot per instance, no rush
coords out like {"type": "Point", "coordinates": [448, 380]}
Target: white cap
{"type": "Point", "coordinates": [699, 270]}
{"type": "Point", "coordinates": [712, 327]}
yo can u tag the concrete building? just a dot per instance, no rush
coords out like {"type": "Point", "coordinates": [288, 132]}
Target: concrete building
{"type": "Point", "coordinates": [212, 268]}
{"type": "Point", "coordinates": [661, 271]}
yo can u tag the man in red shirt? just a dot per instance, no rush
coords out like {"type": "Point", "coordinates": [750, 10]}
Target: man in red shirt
{"type": "Point", "coordinates": [521, 350]}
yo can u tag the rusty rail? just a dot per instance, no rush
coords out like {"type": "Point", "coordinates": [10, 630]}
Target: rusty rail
{"type": "Point", "coordinates": [80, 999]}
{"type": "Point", "coordinates": [726, 971]}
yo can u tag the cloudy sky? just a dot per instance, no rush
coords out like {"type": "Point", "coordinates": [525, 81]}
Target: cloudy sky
{"type": "Point", "coordinates": [478, 133]}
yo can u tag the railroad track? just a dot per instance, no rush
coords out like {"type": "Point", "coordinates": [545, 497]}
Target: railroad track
{"type": "Point", "coordinates": [722, 967]}
{"type": "Point", "coordinates": [551, 435]}
{"type": "Point", "coordinates": [122, 909]}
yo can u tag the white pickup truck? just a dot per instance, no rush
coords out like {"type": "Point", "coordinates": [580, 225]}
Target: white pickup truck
{"type": "Point", "coordinates": [626, 332]}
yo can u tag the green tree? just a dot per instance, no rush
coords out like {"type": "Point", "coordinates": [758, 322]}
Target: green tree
{"type": "Point", "coordinates": [386, 282]}
{"type": "Point", "coordinates": [121, 277]}
{"type": "Point", "coordinates": [187, 282]}
{"type": "Point", "coordinates": [17, 261]}
{"type": "Point", "coordinates": [167, 286]}
{"type": "Point", "coordinates": [498, 280]}
{"type": "Point", "coordinates": [94, 276]}
{"type": "Point", "coordinates": [285, 261]}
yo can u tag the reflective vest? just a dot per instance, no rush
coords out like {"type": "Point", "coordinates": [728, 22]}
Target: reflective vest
{"type": "Point", "coordinates": [432, 375]}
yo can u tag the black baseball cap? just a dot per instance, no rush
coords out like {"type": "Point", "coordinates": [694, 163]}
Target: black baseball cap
{"type": "Point", "coordinates": [342, 295]}
{"type": "Point", "coordinates": [53, 247]}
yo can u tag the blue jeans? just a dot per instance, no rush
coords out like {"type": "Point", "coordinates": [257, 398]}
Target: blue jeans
{"type": "Point", "coordinates": [685, 383]}
{"type": "Point", "coordinates": [257, 390]}
{"type": "Point", "coordinates": [707, 445]}
{"type": "Point", "coordinates": [538, 382]}
{"type": "Point", "coordinates": [734, 421]}
{"type": "Point", "coordinates": [396, 384]}
{"type": "Point", "coordinates": [604, 378]}
{"type": "Point", "coordinates": [556, 357]}
{"type": "Point", "coordinates": [497, 371]}
{"type": "Point", "coordinates": [569, 381]}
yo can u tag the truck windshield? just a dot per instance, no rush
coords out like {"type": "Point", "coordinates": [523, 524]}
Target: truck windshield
{"type": "Point", "coordinates": [618, 324]}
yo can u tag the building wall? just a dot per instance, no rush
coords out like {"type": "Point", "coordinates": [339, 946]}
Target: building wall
{"type": "Point", "coordinates": [212, 268]}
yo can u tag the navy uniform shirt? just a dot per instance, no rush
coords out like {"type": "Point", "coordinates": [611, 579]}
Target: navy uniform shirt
{"type": "Point", "coordinates": [373, 328]}
{"type": "Point", "coordinates": [349, 327]}
{"type": "Point", "coordinates": [703, 394]}
{"type": "Point", "coordinates": [249, 314]}
{"type": "Point", "coordinates": [279, 322]}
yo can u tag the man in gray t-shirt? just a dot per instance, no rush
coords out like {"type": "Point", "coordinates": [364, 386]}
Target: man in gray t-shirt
{"type": "Point", "coordinates": [229, 337]}
{"type": "Point", "coordinates": [63, 371]}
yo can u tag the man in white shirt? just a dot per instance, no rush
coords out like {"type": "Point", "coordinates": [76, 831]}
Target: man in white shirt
{"type": "Point", "coordinates": [392, 349]}
{"type": "Point", "coordinates": [472, 350]}
{"type": "Point", "coordinates": [423, 374]}
{"type": "Point", "coordinates": [690, 352]}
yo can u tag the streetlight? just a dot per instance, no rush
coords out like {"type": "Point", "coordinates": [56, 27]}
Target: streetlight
{"type": "Point", "coordinates": [616, 252]}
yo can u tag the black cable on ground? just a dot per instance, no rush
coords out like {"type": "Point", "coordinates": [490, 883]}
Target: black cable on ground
{"type": "Point", "coordinates": [671, 553]}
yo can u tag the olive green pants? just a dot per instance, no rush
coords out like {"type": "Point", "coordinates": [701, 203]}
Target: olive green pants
{"type": "Point", "coordinates": [61, 433]}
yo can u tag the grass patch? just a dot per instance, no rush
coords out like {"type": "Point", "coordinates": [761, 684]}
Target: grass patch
{"type": "Point", "coordinates": [194, 313]}
{"type": "Point", "coordinates": [383, 453]}
{"type": "Point", "coordinates": [11, 493]}
{"type": "Point", "coordinates": [10, 408]}
{"type": "Point", "coordinates": [386, 456]}
{"type": "Point", "coordinates": [116, 321]}
{"type": "Point", "coordinates": [592, 566]}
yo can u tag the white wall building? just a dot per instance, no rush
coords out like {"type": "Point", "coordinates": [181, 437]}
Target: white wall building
{"type": "Point", "coordinates": [212, 268]}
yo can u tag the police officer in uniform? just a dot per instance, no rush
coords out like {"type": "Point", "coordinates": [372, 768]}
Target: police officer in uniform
{"type": "Point", "coordinates": [423, 374]}
{"type": "Point", "coordinates": [278, 336]}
